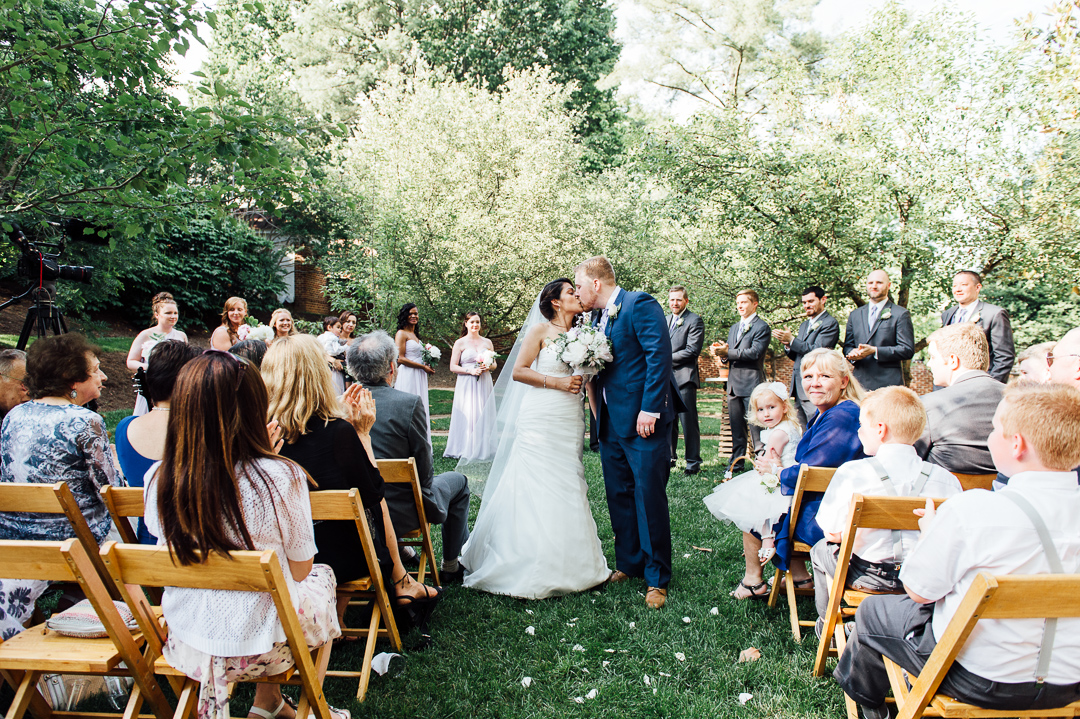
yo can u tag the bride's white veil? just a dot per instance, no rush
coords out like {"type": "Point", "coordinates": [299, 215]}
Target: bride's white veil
{"type": "Point", "coordinates": [500, 416]}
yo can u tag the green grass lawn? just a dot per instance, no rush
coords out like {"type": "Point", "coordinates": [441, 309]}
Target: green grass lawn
{"type": "Point", "coordinates": [440, 401]}
{"type": "Point", "coordinates": [606, 640]}
{"type": "Point", "coordinates": [107, 344]}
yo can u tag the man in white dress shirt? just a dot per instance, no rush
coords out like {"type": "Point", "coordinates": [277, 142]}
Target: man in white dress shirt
{"type": "Point", "coordinates": [1036, 440]}
{"type": "Point", "coordinates": [890, 420]}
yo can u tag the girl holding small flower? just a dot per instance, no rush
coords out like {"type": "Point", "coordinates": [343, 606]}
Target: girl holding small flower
{"type": "Point", "coordinates": [472, 361]}
{"type": "Point", "coordinates": [753, 501]}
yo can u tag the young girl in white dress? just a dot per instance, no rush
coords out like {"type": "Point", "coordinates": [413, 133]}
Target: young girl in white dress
{"type": "Point", "coordinates": [752, 501]}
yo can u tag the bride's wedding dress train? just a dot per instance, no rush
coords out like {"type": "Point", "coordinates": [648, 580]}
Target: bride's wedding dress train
{"type": "Point", "coordinates": [535, 535]}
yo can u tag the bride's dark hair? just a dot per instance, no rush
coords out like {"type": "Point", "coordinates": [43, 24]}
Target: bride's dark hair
{"type": "Point", "coordinates": [551, 292]}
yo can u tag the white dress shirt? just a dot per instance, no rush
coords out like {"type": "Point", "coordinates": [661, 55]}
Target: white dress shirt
{"type": "Point", "coordinates": [859, 477]}
{"type": "Point", "coordinates": [981, 531]}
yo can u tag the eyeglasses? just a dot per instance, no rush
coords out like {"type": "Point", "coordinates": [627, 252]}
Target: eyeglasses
{"type": "Point", "coordinates": [20, 380]}
{"type": "Point", "coordinates": [1050, 358]}
{"type": "Point", "coordinates": [241, 363]}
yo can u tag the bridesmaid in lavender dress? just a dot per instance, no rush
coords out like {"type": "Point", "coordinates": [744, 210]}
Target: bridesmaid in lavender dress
{"type": "Point", "coordinates": [470, 434]}
{"type": "Point", "coordinates": [412, 374]}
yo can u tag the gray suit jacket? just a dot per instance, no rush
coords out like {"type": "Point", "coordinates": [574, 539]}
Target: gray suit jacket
{"type": "Point", "coordinates": [893, 336]}
{"type": "Point", "coordinates": [826, 334]}
{"type": "Point", "coordinates": [746, 358]}
{"type": "Point", "coordinates": [999, 335]}
{"type": "Point", "coordinates": [959, 419]}
{"type": "Point", "coordinates": [686, 341]}
{"type": "Point", "coordinates": [399, 433]}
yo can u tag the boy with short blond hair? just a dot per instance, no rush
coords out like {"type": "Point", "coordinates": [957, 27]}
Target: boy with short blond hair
{"type": "Point", "coordinates": [1035, 441]}
{"type": "Point", "coordinates": [890, 420]}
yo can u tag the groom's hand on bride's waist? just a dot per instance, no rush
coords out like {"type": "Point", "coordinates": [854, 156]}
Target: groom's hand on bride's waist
{"type": "Point", "coordinates": [646, 424]}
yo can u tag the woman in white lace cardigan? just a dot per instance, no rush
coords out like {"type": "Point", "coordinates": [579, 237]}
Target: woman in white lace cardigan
{"type": "Point", "coordinates": [197, 504]}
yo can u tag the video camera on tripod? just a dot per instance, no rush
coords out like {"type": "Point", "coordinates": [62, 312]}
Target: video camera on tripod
{"type": "Point", "coordinates": [43, 270]}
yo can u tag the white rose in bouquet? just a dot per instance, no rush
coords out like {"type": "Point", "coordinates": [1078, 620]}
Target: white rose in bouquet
{"type": "Point", "coordinates": [575, 353]}
{"type": "Point", "coordinates": [260, 332]}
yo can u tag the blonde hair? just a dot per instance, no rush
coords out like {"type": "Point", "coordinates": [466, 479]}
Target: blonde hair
{"type": "Point", "coordinates": [1047, 416]}
{"type": "Point", "coordinates": [277, 314]}
{"type": "Point", "coordinates": [899, 409]}
{"type": "Point", "coordinates": [837, 363]}
{"type": "Point", "coordinates": [300, 386]}
{"type": "Point", "coordinates": [597, 268]}
{"type": "Point", "coordinates": [967, 341]}
{"type": "Point", "coordinates": [759, 392]}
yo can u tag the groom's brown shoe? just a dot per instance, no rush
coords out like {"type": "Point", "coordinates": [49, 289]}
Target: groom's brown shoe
{"type": "Point", "coordinates": [618, 576]}
{"type": "Point", "coordinates": [655, 597]}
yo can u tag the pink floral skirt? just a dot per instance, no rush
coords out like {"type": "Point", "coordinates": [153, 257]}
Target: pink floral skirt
{"type": "Point", "coordinates": [316, 605]}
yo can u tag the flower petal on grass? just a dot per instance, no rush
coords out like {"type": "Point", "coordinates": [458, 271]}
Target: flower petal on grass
{"type": "Point", "coordinates": [633, 624]}
{"type": "Point", "coordinates": [648, 681]}
{"type": "Point", "coordinates": [714, 611]}
{"type": "Point", "coordinates": [526, 682]}
{"type": "Point", "coordinates": [578, 648]}
{"type": "Point", "coordinates": [745, 697]}
{"type": "Point", "coordinates": [591, 695]}
{"type": "Point", "coordinates": [749, 655]}
{"type": "Point", "coordinates": [610, 651]}
{"type": "Point", "coordinates": [579, 700]}
{"type": "Point", "coordinates": [530, 630]}
{"type": "Point", "coordinates": [686, 620]}
{"type": "Point", "coordinates": [604, 663]}
{"type": "Point", "coordinates": [680, 656]}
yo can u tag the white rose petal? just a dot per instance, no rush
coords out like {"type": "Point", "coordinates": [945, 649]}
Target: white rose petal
{"type": "Point", "coordinates": [579, 700]}
{"type": "Point", "coordinates": [604, 663]}
{"type": "Point", "coordinates": [680, 656]}
{"type": "Point", "coordinates": [648, 681]}
{"type": "Point", "coordinates": [685, 556]}
{"type": "Point", "coordinates": [714, 611]}
{"type": "Point", "coordinates": [654, 690]}
{"type": "Point", "coordinates": [610, 651]}
{"type": "Point", "coordinates": [528, 611]}
{"type": "Point", "coordinates": [526, 682]}
{"type": "Point", "coordinates": [573, 619]}
{"type": "Point", "coordinates": [591, 695]}
{"type": "Point", "coordinates": [745, 697]}
{"type": "Point", "coordinates": [578, 648]}
{"type": "Point", "coordinates": [633, 624]}
{"type": "Point", "coordinates": [686, 620]}
{"type": "Point", "coordinates": [664, 674]}
{"type": "Point", "coordinates": [530, 630]}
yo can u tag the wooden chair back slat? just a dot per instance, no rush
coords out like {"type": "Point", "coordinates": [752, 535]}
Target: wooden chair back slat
{"type": "Point", "coordinates": [123, 504]}
{"type": "Point", "coordinates": [404, 471]}
{"type": "Point", "coordinates": [155, 567]}
{"type": "Point", "coordinates": [976, 481]}
{"type": "Point", "coordinates": [34, 560]}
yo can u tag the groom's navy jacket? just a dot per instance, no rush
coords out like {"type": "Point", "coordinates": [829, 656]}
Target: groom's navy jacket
{"type": "Point", "coordinates": [640, 376]}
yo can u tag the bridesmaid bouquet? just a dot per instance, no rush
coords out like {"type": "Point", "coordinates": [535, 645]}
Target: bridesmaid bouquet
{"type": "Point", "coordinates": [585, 349]}
{"type": "Point", "coordinates": [430, 355]}
{"type": "Point", "coordinates": [486, 357]}
{"type": "Point", "coordinates": [259, 332]}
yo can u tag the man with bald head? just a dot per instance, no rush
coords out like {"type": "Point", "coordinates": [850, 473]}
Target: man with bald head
{"type": "Point", "coordinates": [1064, 360]}
{"type": "Point", "coordinates": [879, 336]}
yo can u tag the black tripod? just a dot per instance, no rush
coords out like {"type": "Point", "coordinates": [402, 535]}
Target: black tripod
{"type": "Point", "coordinates": [43, 314]}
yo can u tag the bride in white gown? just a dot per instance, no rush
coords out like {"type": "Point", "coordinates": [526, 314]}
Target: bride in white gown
{"type": "Point", "coordinates": [535, 535]}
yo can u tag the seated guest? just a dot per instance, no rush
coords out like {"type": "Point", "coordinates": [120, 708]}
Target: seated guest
{"type": "Point", "coordinates": [50, 439]}
{"type": "Point", "coordinates": [1064, 363]}
{"type": "Point", "coordinates": [400, 432]}
{"type": "Point", "coordinates": [958, 416]}
{"type": "Point", "coordinates": [1032, 362]}
{"type": "Point", "coordinates": [1036, 441]}
{"type": "Point", "coordinates": [831, 439]}
{"type": "Point", "coordinates": [140, 441]}
{"type": "Point", "coordinates": [251, 350]}
{"type": "Point", "coordinates": [330, 439]}
{"type": "Point", "coordinates": [198, 503]}
{"type": "Point", "coordinates": [12, 380]}
{"type": "Point", "coordinates": [890, 420]}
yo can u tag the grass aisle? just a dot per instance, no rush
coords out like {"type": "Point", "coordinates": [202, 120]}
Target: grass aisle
{"type": "Point", "coordinates": [607, 641]}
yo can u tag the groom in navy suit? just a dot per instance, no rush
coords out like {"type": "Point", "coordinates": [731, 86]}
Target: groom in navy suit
{"type": "Point", "coordinates": [635, 400]}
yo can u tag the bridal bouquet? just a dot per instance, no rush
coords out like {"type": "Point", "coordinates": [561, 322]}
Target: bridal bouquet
{"type": "Point", "coordinates": [430, 355]}
{"type": "Point", "coordinates": [486, 358]}
{"type": "Point", "coordinates": [586, 349]}
{"type": "Point", "coordinates": [770, 482]}
{"type": "Point", "coordinates": [259, 332]}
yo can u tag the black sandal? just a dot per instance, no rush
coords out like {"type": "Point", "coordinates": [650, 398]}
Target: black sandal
{"type": "Point", "coordinates": [752, 589]}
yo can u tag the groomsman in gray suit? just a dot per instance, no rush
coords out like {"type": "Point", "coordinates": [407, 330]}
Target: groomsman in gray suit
{"type": "Point", "coordinates": [687, 333]}
{"type": "Point", "coordinates": [959, 417]}
{"type": "Point", "coordinates": [818, 330]}
{"type": "Point", "coordinates": [993, 319]}
{"type": "Point", "coordinates": [879, 336]}
{"type": "Point", "coordinates": [745, 350]}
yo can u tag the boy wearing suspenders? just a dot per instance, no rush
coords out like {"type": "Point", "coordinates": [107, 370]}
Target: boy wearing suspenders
{"type": "Point", "coordinates": [1028, 528]}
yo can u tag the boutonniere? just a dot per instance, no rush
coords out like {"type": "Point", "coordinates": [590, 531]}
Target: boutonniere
{"type": "Point", "coordinates": [615, 311]}
{"type": "Point", "coordinates": [974, 317]}
{"type": "Point", "coordinates": [814, 325]}
{"type": "Point", "coordinates": [678, 322]}
{"type": "Point", "coordinates": [886, 314]}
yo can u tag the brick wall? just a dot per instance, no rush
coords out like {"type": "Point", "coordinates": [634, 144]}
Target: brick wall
{"type": "Point", "coordinates": [310, 298]}
{"type": "Point", "coordinates": [779, 369]}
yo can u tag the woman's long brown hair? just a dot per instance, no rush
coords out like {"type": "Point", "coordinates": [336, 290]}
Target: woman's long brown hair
{"type": "Point", "coordinates": [217, 424]}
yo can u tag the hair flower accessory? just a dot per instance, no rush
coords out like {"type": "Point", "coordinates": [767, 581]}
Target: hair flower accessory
{"type": "Point", "coordinates": [780, 390]}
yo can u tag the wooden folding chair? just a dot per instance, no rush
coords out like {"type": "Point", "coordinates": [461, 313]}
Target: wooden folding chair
{"type": "Point", "coordinates": [865, 513]}
{"type": "Point", "coordinates": [55, 499]}
{"type": "Point", "coordinates": [811, 479]}
{"type": "Point", "coordinates": [39, 650]}
{"type": "Point", "coordinates": [124, 503]}
{"type": "Point", "coordinates": [340, 505]}
{"type": "Point", "coordinates": [976, 481]}
{"type": "Point", "coordinates": [134, 566]}
{"type": "Point", "coordinates": [989, 597]}
{"type": "Point", "coordinates": [403, 471]}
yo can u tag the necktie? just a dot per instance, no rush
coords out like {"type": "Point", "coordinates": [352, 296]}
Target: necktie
{"type": "Point", "coordinates": [873, 317]}
{"type": "Point", "coordinates": [742, 331]}
{"type": "Point", "coordinates": [960, 313]}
